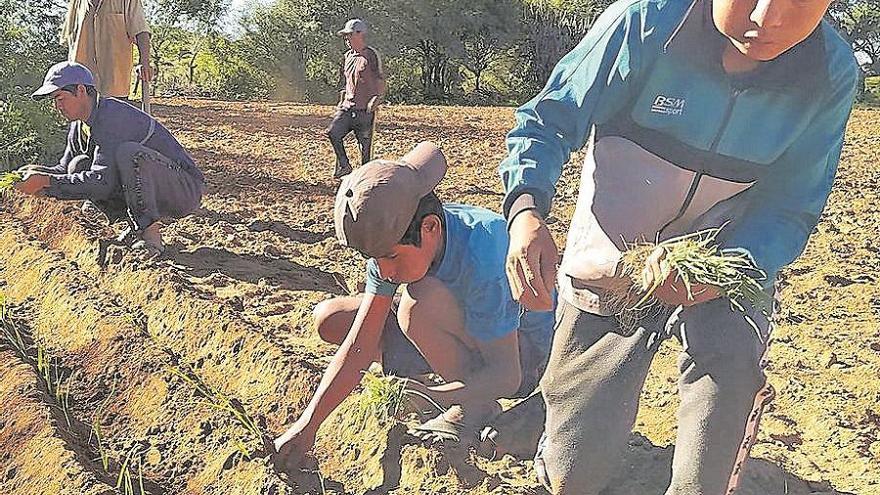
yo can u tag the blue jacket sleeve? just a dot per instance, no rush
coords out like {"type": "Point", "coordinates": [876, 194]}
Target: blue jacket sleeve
{"type": "Point", "coordinates": [787, 204]}
{"type": "Point", "coordinates": [97, 183]}
{"type": "Point", "coordinates": [588, 84]}
{"type": "Point", "coordinates": [375, 284]}
{"type": "Point", "coordinates": [61, 166]}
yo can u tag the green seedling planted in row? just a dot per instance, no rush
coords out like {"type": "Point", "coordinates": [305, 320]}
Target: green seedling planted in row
{"type": "Point", "coordinates": [125, 480]}
{"type": "Point", "coordinates": [223, 403]}
{"type": "Point", "coordinates": [48, 369]}
{"type": "Point", "coordinates": [8, 180]}
{"type": "Point", "coordinates": [382, 397]}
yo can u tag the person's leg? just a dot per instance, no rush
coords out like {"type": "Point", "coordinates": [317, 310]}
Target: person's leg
{"type": "Point", "coordinates": [334, 318]}
{"type": "Point", "coordinates": [591, 388]}
{"type": "Point", "coordinates": [364, 133]}
{"type": "Point", "coordinates": [432, 319]}
{"type": "Point", "coordinates": [723, 391]}
{"type": "Point", "coordinates": [339, 128]}
{"type": "Point", "coordinates": [154, 187]}
{"type": "Point", "coordinates": [516, 431]}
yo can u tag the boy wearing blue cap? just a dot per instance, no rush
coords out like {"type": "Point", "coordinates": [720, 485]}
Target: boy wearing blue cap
{"type": "Point", "coordinates": [118, 157]}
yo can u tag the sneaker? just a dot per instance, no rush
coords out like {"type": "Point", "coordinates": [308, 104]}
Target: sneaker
{"type": "Point", "coordinates": [540, 467]}
{"type": "Point", "coordinates": [127, 237]}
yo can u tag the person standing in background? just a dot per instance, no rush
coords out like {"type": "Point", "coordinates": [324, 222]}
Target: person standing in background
{"type": "Point", "coordinates": [362, 83]}
{"type": "Point", "coordinates": [99, 35]}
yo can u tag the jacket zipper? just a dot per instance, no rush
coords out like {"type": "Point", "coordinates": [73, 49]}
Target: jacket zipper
{"type": "Point", "coordinates": [695, 183]}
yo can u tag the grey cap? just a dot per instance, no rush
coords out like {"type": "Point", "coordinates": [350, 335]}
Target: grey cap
{"type": "Point", "coordinates": [376, 203]}
{"type": "Point", "coordinates": [353, 26]}
{"type": "Point", "coordinates": [64, 74]}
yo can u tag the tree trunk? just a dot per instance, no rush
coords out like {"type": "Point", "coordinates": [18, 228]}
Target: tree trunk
{"type": "Point", "coordinates": [192, 66]}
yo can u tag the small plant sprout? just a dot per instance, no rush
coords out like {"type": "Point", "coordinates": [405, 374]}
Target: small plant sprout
{"type": "Point", "coordinates": [125, 480]}
{"type": "Point", "coordinates": [8, 180]}
{"type": "Point", "coordinates": [10, 328]}
{"type": "Point", "coordinates": [693, 259]}
{"type": "Point", "coordinates": [96, 429]}
{"type": "Point", "coordinates": [102, 451]}
{"type": "Point", "coordinates": [221, 402]}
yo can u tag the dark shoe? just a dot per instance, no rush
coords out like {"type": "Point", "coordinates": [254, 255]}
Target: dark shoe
{"type": "Point", "coordinates": [342, 171]}
{"type": "Point", "coordinates": [89, 208]}
{"type": "Point", "coordinates": [127, 237]}
{"type": "Point", "coordinates": [150, 250]}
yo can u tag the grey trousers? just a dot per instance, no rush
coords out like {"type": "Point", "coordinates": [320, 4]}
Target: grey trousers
{"type": "Point", "coordinates": [596, 373]}
{"type": "Point", "coordinates": [154, 186]}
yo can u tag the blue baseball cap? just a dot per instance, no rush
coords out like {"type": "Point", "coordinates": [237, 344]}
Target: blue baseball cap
{"type": "Point", "coordinates": [64, 74]}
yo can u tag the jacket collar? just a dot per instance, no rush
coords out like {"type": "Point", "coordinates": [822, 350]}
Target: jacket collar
{"type": "Point", "coordinates": [803, 66]}
{"type": "Point", "coordinates": [93, 117]}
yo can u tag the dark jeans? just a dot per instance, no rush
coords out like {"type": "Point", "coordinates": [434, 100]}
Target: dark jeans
{"type": "Point", "coordinates": [114, 207]}
{"type": "Point", "coordinates": [344, 122]}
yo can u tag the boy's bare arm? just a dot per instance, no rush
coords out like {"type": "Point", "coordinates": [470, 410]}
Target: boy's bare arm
{"type": "Point", "coordinates": [359, 349]}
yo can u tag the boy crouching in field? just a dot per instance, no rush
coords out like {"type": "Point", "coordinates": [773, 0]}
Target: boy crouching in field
{"type": "Point", "coordinates": [456, 316]}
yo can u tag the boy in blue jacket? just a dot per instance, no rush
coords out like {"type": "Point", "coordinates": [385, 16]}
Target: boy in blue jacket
{"type": "Point", "coordinates": [697, 114]}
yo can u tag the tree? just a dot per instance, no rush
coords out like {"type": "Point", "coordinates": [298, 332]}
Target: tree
{"type": "Point", "coordinates": [295, 41]}
{"type": "Point", "coordinates": [30, 131]}
{"type": "Point", "coordinates": [858, 21]}
{"type": "Point", "coordinates": [552, 30]}
{"type": "Point", "coordinates": [429, 31]}
{"type": "Point", "coordinates": [195, 20]}
{"type": "Point", "coordinates": [489, 30]}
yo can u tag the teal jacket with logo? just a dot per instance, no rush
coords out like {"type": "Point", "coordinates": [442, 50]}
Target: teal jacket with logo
{"type": "Point", "coordinates": [678, 144]}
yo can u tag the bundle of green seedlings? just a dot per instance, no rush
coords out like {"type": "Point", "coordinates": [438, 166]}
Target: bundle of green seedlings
{"type": "Point", "coordinates": [694, 259]}
{"type": "Point", "coordinates": [382, 397]}
{"type": "Point", "coordinates": [387, 398]}
{"type": "Point", "coordinates": [8, 180]}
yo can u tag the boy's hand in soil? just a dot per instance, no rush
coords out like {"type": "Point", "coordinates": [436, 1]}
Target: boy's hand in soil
{"type": "Point", "coordinates": [33, 184]}
{"type": "Point", "coordinates": [291, 450]}
{"type": "Point", "coordinates": [672, 291]}
{"type": "Point", "coordinates": [531, 262]}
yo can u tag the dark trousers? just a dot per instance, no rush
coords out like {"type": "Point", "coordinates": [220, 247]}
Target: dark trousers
{"type": "Point", "coordinates": [151, 187]}
{"type": "Point", "coordinates": [155, 186]}
{"type": "Point", "coordinates": [344, 122]}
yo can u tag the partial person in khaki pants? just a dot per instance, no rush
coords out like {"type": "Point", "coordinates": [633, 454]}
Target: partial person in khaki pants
{"type": "Point", "coordinates": [99, 35]}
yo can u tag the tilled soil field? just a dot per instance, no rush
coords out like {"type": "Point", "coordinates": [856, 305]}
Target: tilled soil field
{"type": "Point", "coordinates": [120, 375]}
